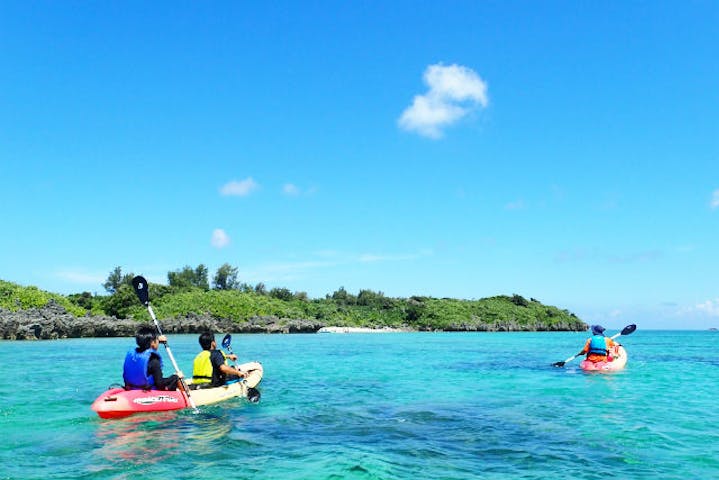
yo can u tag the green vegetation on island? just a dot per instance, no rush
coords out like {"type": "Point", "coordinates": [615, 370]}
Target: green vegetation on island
{"type": "Point", "coordinates": [189, 293]}
{"type": "Point", "coordinates": [14, 297]}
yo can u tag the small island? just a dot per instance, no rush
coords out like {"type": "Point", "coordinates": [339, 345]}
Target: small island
{"type": "Point", "coordinates": [28, 313]}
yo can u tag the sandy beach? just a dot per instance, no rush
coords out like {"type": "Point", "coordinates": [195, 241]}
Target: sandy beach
{"type": "Point", "coordinates": [358, 330]}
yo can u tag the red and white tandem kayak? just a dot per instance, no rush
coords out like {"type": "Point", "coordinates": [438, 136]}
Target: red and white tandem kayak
{"type": "Point", "coordinates": [617, 361]}
{"type": "Point", "coordinates": [118, 402]}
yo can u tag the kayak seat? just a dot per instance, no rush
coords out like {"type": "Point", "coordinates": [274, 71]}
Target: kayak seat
{"type": "Point", "coordinates": [200, 386]}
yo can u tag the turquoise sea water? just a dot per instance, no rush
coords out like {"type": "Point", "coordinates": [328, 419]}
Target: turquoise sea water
{"type": "Point", "coordinates": [377, 406]}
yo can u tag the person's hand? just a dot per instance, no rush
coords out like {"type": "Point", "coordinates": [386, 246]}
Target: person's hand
{"type": "Point", "coordinates": [162, 339]}
{"type": "Point", "coordinates": [232, 356]}
{"type": "Point", "coordinates": [241, 374]}
{"type": "Point", "coordinates": [180, 374]}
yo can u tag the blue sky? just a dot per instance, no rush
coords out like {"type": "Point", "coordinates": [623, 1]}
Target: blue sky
{"type": "Point", "coordinates": [565, 151]}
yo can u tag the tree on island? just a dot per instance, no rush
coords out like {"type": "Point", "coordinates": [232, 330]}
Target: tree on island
{"type": "Point", "coordinates": [187, 277]}
{"type": "Point", "coordinates": [116, 279]}
{"type": "Point", "coordinates": [226, 278]}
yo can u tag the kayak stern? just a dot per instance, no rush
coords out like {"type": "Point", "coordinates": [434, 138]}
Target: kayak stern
{"type": "Point", "coordinates": [618, 362]}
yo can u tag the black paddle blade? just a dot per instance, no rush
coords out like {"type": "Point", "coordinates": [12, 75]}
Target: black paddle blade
{"type": "Point", "coordinates": [253, 395]}
{"type": "Point", "coordinates": [629, 329]}
{"type": "Point", "coordinates": [140, 285]}
{"type": "Point", "coordinates": [226, 341]}
{"type": "Point", "coordinates": [558, 364]}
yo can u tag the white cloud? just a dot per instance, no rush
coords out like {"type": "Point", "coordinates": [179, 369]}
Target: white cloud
{"type": "Point", "coordinates": [285, 271]}
{"type": "Point", "coordinates": [240, 188]}
{"type": "Point", "coordinates": [715, 199]}
{"type": "Point", "coordinates": [636, 257]}
{"type": "Point", "coordinates": [81, 277]}
{"type": "Point", "coordinates": [516, 205]}
{"type": "Point", "coordinates": [373, 257]}
{"type": "Point", "coordinates": [454, 92]}
{"type": "Point", "coordinates": [220, 239]}
{"type": "Point", "coordinates": [596, 255]}
{"type": "Point", "coordinates": [710, 307]}
{"type": "Point", "coordinates": [288, 271]}
{"type": "Point", "coordinates": [290, 189]}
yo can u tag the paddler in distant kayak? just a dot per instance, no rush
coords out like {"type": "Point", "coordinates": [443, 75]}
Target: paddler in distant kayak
{"type": "Point", "coordinates": [210, 366]}
{"type": "Point", "coordinates": [597, 346]}
{"type": "Point", "coordinates": [142, 369]}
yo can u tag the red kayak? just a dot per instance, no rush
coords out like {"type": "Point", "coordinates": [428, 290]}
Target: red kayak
{"type": "Point", "coordinates": [118, 402]}
{"type": "Point", "coordinates": [616, 360]}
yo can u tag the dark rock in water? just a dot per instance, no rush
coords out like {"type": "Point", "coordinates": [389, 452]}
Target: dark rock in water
{"type": "Point", "coordinates": [52, 322]}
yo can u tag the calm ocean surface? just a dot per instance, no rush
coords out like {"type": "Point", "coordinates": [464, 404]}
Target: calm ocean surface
{"type": "Point", "coordinates": [377, 406]}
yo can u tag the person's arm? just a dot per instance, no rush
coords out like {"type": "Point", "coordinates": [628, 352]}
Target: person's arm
{"type": "Point", "coordinates": [227, 369]}
{"type": "Point", "coordinates": [218, 360]}
{"type": "Point", "coordinates": [154, 368]}
{"type": "Point", "coordinates": [586, 348]}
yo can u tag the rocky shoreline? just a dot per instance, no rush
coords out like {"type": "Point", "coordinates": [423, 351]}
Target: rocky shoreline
{"type": "Point", "coordinates": [53, 322]}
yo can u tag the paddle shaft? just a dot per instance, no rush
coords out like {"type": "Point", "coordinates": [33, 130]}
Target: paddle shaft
{"type": "Point", "coordinates": [234, 362]}
{"type": "Point", "coordinates": [172, 358]}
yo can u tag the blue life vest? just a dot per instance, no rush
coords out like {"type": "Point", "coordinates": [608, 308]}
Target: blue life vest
{"type": "Point", "coordinates": [598, 345]}
{"type": "Point", "coordinates": [134, 371]}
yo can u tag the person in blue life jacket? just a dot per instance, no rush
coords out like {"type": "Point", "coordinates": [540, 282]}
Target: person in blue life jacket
{"type": "Point", "coordinates": [597, 346]}
{"type": "Point", "coordinates": [142, 369]}
{"type": "Point", "coordinates": [210, 368]}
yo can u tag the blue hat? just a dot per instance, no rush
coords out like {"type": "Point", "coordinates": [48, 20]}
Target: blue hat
{"type": "Point", "coordinates": [597, 330]}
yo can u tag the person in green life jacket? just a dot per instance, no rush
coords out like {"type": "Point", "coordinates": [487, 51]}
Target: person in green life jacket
{"type": "Point", "coordinates": [142, 369]}
{"type": "Point", "coordinates": [210, 367]}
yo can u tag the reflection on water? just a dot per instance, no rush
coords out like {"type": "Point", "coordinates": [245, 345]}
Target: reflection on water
{"type": "Point", "coordinates": [153, 438]}
{"type": "Point", "coordinates": [139, 439]}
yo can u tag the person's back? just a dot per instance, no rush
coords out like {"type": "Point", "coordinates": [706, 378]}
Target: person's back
{"type": "Point", "coordinates": [210, 365]}
{"type": "Point", "coordinates": [134, 370]}
{"type": "Point", "coordinates": [597, 346]}
{"type": "Point", "coordinates": [142, 368]}
{"type": "Point", "coordinates": [203, 371]}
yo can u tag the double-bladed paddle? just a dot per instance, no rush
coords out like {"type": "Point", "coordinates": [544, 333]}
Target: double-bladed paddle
{"type": "Point", "coordinates": [253, 395]}
{"type": "Point", "coordinates": [625, 331]}
{"type": "Point", "coordinates": [141, 289]}
{"type": "Point", "coordinates": [226, 345]}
